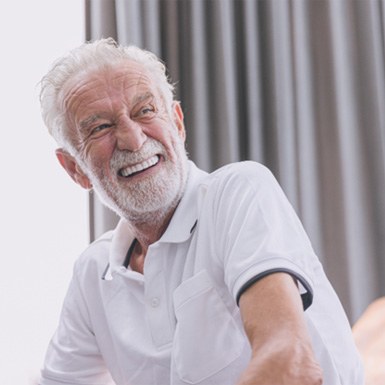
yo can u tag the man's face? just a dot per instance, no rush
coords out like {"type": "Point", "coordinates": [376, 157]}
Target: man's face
{"type": "Point", "coordinates": [129, 146]}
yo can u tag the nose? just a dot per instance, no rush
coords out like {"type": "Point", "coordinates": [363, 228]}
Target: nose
{"type": "Point", "coordinates": [129, 135]}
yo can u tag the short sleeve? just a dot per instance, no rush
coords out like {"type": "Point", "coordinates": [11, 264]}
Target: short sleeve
{"type": "Point", "coordinates": [73, 356]}
{"type": "Point", "coordinates": [258, 231]}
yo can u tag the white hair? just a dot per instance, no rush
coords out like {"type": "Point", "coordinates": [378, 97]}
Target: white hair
{"type": "Point", "coordinates": [88, 57]}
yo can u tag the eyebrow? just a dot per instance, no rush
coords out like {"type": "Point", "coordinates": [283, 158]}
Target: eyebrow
{"type": "Point", "coordinates": [142, 97]}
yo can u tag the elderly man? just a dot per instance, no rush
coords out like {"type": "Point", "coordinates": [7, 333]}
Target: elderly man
{"type": "Point", "coordinates": [207, 278]}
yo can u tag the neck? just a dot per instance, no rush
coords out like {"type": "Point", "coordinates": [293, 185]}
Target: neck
{"type": "Point", "coordinates": [149, 227]}
{"type": "Point", "coordinates": [146, 232]}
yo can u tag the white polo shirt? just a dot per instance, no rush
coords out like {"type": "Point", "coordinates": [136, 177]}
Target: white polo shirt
{"type": "Point", "coordinates": [179, 323]}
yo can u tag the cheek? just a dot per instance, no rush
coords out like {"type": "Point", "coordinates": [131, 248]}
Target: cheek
{"type": "Point", "coordinates": [177, 150]}
{"type": "Point", "coordinates": [99, 153]}
{"type": "Point", "coordinates": [170, 143]}
{"type": "Point", "coordinates": [170, 137]}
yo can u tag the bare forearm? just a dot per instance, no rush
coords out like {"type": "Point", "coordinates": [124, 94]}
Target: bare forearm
{"type": "Point", "coordinates": [275, 325]}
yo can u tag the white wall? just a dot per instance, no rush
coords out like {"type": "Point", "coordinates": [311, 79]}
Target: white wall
{"type": "Point", "coordinates": [43, 214]}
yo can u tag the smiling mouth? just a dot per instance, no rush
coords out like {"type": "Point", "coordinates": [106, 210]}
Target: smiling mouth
{"type": "Point", "coordinates": [139, 167]}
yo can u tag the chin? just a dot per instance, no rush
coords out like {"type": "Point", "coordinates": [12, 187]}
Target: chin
{"type": "Point", "coordinates": [150, 199]}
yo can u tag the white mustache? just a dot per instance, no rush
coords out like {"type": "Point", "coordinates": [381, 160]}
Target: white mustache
{"type": "Point", "coordinates": [126, 158]}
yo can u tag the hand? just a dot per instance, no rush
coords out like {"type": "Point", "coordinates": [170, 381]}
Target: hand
{"type": "Point", "coordinates": [290, 366]}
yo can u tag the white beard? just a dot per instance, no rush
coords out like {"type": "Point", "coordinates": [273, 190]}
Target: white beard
{"type": "Point", "coordinates": [151, 198]}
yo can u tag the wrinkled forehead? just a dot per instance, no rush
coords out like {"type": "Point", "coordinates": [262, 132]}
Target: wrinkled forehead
{"type": "Point", "coordinates": [121, 75]}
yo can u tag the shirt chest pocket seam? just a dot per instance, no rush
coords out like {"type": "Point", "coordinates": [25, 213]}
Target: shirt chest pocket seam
{"type": "Point", "coordinates": [207, 338]}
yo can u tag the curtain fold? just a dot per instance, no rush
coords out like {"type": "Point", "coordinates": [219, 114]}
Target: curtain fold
{"type": "Point", "coordinates": [297, 85]}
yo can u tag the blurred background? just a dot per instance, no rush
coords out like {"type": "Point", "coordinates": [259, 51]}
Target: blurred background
{"type": "Point", "coordinates": [298, 85]}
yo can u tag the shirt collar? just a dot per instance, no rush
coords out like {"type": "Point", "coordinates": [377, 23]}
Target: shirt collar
{"type": "Point", "coordinates": [121, 240]}
{"type": "Point", "coordinates": [183, 221]}
{"type": "Point", "coordinates": [179, 229]}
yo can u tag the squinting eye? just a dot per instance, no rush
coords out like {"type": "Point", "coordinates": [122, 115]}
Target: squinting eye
{"type": "Point", "coordinates": [147, 110]}
{"type": "Point", "coordinates": [101, 128]}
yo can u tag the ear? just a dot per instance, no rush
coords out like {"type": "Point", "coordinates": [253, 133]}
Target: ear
{"type": "Point", "coordinates": [69, 163]}
{"type": "Point", "coordinates": [179, 119]}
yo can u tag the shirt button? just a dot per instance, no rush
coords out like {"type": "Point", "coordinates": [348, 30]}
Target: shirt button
{"type": "Point", "coordinates": [155, 302]}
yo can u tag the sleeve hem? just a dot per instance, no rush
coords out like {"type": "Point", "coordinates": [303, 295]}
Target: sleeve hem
{"type": "Point", "coordinates": [275, 265]}
{"type": "Point", "coordinates": [307, 296]}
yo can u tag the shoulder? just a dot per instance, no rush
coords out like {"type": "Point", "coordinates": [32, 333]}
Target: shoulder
{"type": "Point", "coordinates": [246, 170]}
{"type": "Point", "coordinates": [235, 177]}
{"type": "Point", "coordinates": [241, 183]}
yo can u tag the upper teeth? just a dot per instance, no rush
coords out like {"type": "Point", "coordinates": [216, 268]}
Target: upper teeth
{"type": "Point", "coordinates": [139, 166]}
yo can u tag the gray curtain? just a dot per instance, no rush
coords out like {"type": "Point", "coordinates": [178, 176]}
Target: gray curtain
{"type": "Point", "coordinates": [298, 85]}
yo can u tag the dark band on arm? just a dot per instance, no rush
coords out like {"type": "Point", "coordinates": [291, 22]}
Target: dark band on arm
{"type": "Point", "coordinates": [307, 297]}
